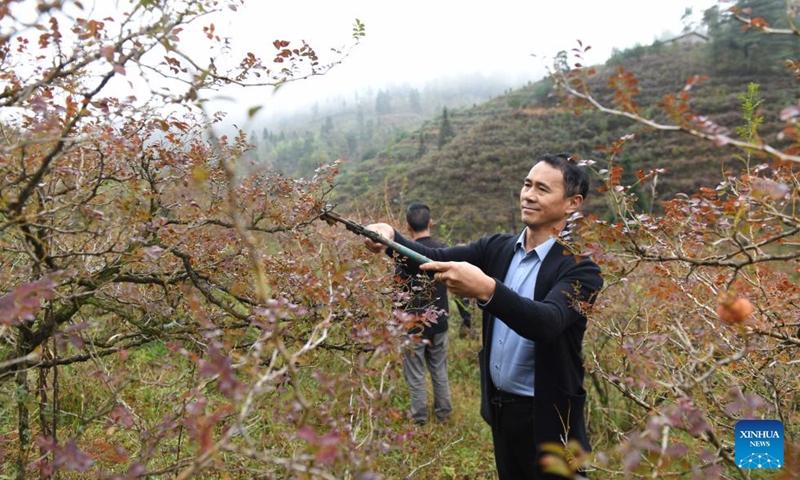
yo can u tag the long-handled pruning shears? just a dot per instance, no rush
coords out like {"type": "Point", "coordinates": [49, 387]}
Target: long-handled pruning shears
{"type": "Point", "coordinates": [356, 228]}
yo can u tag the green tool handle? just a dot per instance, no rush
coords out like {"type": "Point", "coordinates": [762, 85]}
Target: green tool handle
{"type": "Point", "coordinates": [376, 237]}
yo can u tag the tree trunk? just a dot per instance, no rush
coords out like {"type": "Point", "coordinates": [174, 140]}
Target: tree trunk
{"type": "Point", "coordinates": [23, 421]}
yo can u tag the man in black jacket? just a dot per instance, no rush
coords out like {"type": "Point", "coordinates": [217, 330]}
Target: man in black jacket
{"type": "Point", "coordinates": [428, 304]}
{"type": "Point", "coordinates": [534, 293]}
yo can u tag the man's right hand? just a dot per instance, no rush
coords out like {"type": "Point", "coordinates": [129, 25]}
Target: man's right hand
{"type": "Point", "coordinates": [384, 230]}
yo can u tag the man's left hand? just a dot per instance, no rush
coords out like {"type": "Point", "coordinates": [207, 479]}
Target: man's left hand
{"type": "Point", "coordinates": [462, 279]}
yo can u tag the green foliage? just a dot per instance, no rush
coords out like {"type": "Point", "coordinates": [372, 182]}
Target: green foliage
{"type": "Point", "coordinates": [383, 103]}
{"type": "Point", "coordinates": [415, 101]}
{"type": "Point", "coordinates": [541, 91]}
{"type": "Point", "coordinates": [445, 130]}
{"type": "Point", "coordinates": [514, 102]}
{"type": "Point", "coordinates": [620, 57]}
{"type": "Point", "coordinates": [359, 30]}
{"type": "Point", "coordinates": [750, 105]}
{"type": "Point", "coordinates": [358, 129]}
{"type": "Point", "coordinates": [733, 49]}
{"type": "Point", "coordinates": [422, 148]}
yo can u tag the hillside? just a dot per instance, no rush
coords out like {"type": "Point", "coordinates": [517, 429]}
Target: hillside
{"type": "Point", "coordinates": [359, 125]}
{"type": "Point", "coordinates": [472, 182]}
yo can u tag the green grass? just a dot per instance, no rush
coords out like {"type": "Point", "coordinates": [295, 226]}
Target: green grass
{"type": "Point", "coordinates": [461, 447]}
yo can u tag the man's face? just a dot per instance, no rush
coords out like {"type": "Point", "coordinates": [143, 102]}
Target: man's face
{"type": "Point", "coordinates": [542, 201]}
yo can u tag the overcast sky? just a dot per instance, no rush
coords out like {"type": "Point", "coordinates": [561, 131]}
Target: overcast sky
{"type": "Point", "coordinates": [417, 40]}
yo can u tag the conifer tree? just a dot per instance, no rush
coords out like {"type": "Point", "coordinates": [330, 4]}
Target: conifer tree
{"type": "Point", "coordinates": [445, 130]}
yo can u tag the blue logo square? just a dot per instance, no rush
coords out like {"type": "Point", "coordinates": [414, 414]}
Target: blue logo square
{"type": "Point", "coordinates": [759, 444]}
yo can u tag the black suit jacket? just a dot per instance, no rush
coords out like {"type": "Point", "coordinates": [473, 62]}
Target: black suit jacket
{"type": "Point", "coordinates": [555, 320]}
{"type": "Point", "coordinates": [424, 295]}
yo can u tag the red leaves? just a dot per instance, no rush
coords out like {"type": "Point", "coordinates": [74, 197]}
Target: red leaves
{"type": "Point", "coordinates": [134, 204]}
{"type": "Point", "coordinates": [44, 40]}
{"type": "Point", "coordinates": [173, 35]}
{"type": "Point", "coordinates": [22, 44]}
{"type": "Point", "coordinates": [733, 309]}
{"type": "Point", "coordinates": [325, 447]}
{"type": "Point", "coordinates": [220, 365]}
{"type": "Point", "coordinates": [72, 109]}
{"type": "Point", "coordinates": [209, 31]}
{"type": "Point", "coordinates": [174, 64]}
{"type": "Point", "coordinates": [204, 424]}
{"type": "Point", "coordinates": [756, 22]}
{"type": "Point", "coordinates": [25, 301]}
{"type": "Point", "coordinates": [296, 54]}
{"type": "Point", "coordinates": [120, 416]}
{"type": "Point", "coordinates": [88, 29]}
{"type": "Point", "coordinates": [676, 106]}
{"type": "Point", "coordinates": [625, 86]}
{"type": "Point", "coordinates": [693, 80]}
{"type": "Point", "coordinates": [615, 175]}
{"type": "Point", "coordinates": [660, 308]}
{"type": "Point", "coordinates": [161, 124]}
{"type": "Point", "coordinates": [65, 457]}
{"type": "Point", "coordinates": [643, 177]}
{"type": "Point", "coordinates": [108, 52]}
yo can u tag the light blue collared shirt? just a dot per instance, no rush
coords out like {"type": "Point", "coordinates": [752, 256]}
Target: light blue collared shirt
{"type": "Point", "coordinates": [511, 358]}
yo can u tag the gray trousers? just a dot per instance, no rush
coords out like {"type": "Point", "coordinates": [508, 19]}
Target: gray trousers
{"type": "Point", "coordinates": [433, 354]}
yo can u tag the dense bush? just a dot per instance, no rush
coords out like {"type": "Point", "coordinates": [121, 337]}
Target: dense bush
{"type": "Point", "coordinates": [165, 307]}
{"type": "Point", "coordinates": [699, 325]}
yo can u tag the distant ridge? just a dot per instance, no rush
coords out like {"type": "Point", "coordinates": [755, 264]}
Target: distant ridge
{"type": "Point", "coordinates": [474, 179]}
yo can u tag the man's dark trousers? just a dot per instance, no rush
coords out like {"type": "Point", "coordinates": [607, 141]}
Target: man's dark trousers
{"type": "Point", "coordinates": [514, 437]}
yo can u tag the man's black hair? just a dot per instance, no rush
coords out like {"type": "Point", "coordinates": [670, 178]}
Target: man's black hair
{"type": "Point", "coordinates": [418, 216]}
{"type": "Point", "coordinates": [576, 179]}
